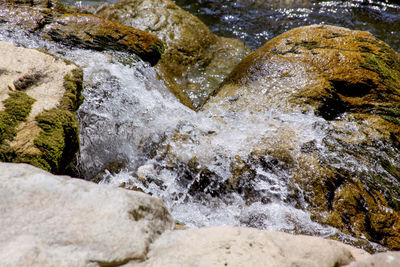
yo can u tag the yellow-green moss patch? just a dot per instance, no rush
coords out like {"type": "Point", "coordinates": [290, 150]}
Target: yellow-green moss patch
{"type": "Point", "coordinates": [17, 108]}
{"type": "Point", "coordinates": [59, 139]}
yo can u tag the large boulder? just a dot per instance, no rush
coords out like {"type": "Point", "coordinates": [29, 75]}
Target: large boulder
{"type": "Point", "coordinates": [195, 61]}
{"type": "Point", "coordinates": [53, 21]}
{"type": "Point", "coordinates": [39, 95]}
{"type": "Point", "coordinates": [229, 246]}
{"type": "Point", "coordinates": [50, 220]}
{"type": "Point", "coordinates": [351, 80]}
{"type": "Point", "coordinates": [387, 259]}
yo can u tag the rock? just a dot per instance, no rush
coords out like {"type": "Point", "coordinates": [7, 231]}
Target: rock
{"type": "Point", "coordinates": [52, 220]}
{"type": "Point", "coordinates": [195, 61]}
{"type": "Point", "coordinates": [31, 19]}
{"type": "Point", "coordinates": [55, 22]}
{"type": "Point", "coordinates": [88, 31]}
{"type": "Point", "coordinates": [352, 70]}
{"type": "Point", "coordinates": [230, 246]}
{"type": "Point", "coordinates": [351, 80]}
{"type": "Point", "coordinates": [39, 95]}
{"type": "Point", "coordinates": [387, 259]}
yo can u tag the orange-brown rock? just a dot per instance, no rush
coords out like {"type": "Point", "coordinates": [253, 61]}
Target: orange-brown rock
{"type": "Point", "coordinates": [92, 32]}
{"type": "Point", "coordinates": [352, 80]}
{"type": "Point", "coordinates": [349, 70]}
{"type": "Point", "coordinates": [58, 23]}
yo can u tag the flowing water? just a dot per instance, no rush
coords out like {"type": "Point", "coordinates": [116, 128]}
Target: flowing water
{"type": "Point", "coordinates": [135, 133]}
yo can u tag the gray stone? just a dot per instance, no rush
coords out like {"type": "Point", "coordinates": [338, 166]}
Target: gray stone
{"type": "Point", "coordinates": [232, 246]}
{"type": "Point", "coordinates": [387, 259]}
{"type": "Point", "coordinates": [49, 220]}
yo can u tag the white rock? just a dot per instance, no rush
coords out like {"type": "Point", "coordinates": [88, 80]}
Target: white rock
{"type": "Point", "coordinates": [230, 246]}
{"type": "Point", "coordinates": [387, 259]}
{"type": "Point", "coordinates": [49, 220]}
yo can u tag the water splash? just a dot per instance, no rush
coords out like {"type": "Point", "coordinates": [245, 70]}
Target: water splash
{"type": "Point", "coordinates": [189, 159]}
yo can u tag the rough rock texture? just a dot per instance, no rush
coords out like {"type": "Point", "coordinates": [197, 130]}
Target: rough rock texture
{"type": "Point", "coordinates": [229, 246]}
{"type": "Point", "coordinates": [195, 61]}
{"type": "Point", "coordinates": [52, 220]}
{"type": "Point", "coordinates": [352, 81]}
{"type": "Point", "coordinates": [31, 19]}
{"type": "Point", "coordinates": [387, 259]}
{"type": "Point", "coordinates": [55, 22]}
{"type": "Point", "coordinates": [88, 31]}
{"type": "Point", "coordinates": [39, 95]}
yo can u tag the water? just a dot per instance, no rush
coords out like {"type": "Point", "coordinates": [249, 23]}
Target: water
{"type": "Point", "coordinates": [136, 134]}
{"type": "Point", "coordinates": [257, 21]}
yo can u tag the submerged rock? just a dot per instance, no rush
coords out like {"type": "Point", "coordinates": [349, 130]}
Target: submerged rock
{"type": "Point", "coordinates": [39, 95]}
{"type": "Point", "coordinates": [50, 220]}
{"type": "Point", "coordinates": [351, 179]}
{"type": "Point", "coordinates": [229, 246]}
{"type": "Point", "coordinates": [195, 61]}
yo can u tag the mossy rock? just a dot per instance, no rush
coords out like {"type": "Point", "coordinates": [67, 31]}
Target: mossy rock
{"type": "Point", "coordinates": [88, 31]}
{"type": "Point", "coordinates": [40, 94]}
{"type": "Point", "coordinates": [56, 22]}
{"type": "Point", "coordinates": [351, 80]}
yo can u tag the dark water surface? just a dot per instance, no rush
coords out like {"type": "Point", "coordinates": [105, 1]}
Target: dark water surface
{"type": "Point", "coordinates": [257, 21]}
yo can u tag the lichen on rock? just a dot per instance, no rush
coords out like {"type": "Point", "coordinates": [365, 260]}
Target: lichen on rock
{"type": "Point", "coordinates": [40, 94]}
{"type": "Point", "coordinates": [17, 107]}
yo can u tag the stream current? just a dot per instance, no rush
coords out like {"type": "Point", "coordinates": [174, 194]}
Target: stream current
{"type": "Point", "coordinates": [129, 120]}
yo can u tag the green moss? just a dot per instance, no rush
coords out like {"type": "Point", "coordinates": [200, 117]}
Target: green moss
{"type": "Point", "coordinates": [376, 64]}
{"type": "Point", "coordinates": [309, 45]}
{"type": "Point", "coordinates": [158, 47]}
{"type": "Point", "coordinates": [17, 108]}
{"type": "Point", "coordinates": [72, 98]}
{"type": "Point", "coordinates": [58, 141]}
{"type": "Point", "coordinates": [390, 114]}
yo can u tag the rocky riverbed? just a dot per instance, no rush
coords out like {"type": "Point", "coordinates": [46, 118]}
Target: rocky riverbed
{"type": "Point", "coordinates": [300, 136]}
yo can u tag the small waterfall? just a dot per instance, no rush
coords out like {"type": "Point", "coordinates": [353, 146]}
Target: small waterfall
{"type": "Point", "coordinates": [129, 118]}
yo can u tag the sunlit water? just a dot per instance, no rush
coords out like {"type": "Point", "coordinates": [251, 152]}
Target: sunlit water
{"type": "Point", "coordinates": [257, 21]}
{"type": "Point", "coordinates": [129, 118]}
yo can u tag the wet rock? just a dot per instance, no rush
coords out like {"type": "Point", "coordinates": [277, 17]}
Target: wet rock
{"type": "Point", "coordinates": [27, 17]}
{"type": "Point", "coordinates": [50, 220]}
{"type": "Point", "coordinates": [88, 31]}
{"type": "Point", "coordinates": [31, 15]}
{"type": "Point", "coordinates": [229, 246]}
{"type": "Point", "coordinates": [346, 71]}
{"type": "Point", "coordinates": [39, 95]}
{"type": "Point", "coordinates": [351, 80]}
{"type": "Point", "coordinates": [55, 22]}
{"type": "Point", "coordinates": [195, 61]}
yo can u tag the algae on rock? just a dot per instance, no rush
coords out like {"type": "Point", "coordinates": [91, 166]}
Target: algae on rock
{"type": "Point", "coordinates": [40, 94]}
